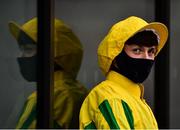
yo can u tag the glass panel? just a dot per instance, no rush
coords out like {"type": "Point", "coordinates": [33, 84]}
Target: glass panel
{"type": "Point", "coordinates": [174, 65]}
{"type": "Point", "coordinates": [15, 89]}
{"type": "Point", "coordinates": [90, 20]}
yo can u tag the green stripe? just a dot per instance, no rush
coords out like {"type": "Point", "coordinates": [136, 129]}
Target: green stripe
{"type": "Point", "coordinates": [30, 119]}
{"type": "Point", "coordinates": [128, 114]}
{"type": "Point", "coordinates": [106, 110]}
{"type": "Point", "coordinates": [90, 126]}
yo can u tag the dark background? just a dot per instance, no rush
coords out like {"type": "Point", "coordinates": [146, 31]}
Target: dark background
{"type": "Point", "coordinates": [90, 20]}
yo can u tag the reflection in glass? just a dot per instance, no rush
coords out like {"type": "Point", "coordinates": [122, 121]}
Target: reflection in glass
{"type": "Point", "coordinates": [68, 92]}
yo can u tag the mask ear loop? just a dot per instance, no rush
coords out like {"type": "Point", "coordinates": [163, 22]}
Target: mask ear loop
{"type": "Point", "coordinates": [114, 64]}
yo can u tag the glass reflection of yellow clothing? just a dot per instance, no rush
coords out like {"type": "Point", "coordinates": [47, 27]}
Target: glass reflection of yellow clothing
{"type": "Point", "coordinates": [68, 92]}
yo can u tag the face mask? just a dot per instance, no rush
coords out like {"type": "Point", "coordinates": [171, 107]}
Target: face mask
{"type": "Point", "coordinates": [134, 69]}
{"type": "Point", "coordinates": [28, 67]}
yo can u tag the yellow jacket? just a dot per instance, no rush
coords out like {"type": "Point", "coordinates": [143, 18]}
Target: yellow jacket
{"type": "Point", "coordinates": [68, 97]}
{"type": "Point", "coordinates": [116, 103]}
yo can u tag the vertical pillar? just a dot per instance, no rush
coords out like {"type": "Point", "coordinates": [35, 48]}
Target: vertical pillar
{"type": "Point", "coordinates": [45, 12]}
{"type": "Point", "coordinates": [162, 80]}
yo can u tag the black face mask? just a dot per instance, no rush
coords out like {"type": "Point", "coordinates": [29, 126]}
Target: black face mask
{"type": "Point", "coordinates": [28, 67]}
{"type": "Point", "coordinates": [135, 69]}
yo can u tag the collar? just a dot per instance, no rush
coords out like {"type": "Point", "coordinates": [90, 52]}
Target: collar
{"type": "Point", "coordinates": [134, 89]}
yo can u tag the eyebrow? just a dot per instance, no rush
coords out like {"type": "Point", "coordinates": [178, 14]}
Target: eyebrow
{"type": "Point", "coordinates": [149, 48]}
{"type": "Point", "coordinates": [146, 46]}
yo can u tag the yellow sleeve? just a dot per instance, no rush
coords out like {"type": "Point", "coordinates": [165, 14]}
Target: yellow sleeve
{"type": "Point", "coordinates": [28, 114]}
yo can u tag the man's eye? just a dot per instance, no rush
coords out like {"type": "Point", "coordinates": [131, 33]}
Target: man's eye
{"type": "Point", "coordinates": [28, 50]}
{"type": "Point", "coordinates": [152, 51]}
{"type": "Point", "coordinates": [137, 51]}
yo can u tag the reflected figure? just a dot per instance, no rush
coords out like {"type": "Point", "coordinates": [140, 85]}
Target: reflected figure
{"type": "Point", "coordinates": [126, 56]}
{"type": "Point", "coordinates": [68, 92]}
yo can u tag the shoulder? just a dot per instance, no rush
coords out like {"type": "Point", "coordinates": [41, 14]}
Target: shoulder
{"type": "Point", "coordinates": [100, 93]}
{"type": "Point", "coordinates": [69, 87]}
{"type": "Point", "coordinates": [106, 90]}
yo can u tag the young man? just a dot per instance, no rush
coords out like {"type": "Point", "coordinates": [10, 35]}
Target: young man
{"type": "Point", "coordinates": [68, 92]}
{"type": "Point", "coordinates": [126, 56]}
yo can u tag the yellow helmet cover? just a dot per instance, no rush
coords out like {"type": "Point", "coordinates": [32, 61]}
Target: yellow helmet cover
{"type": "Point", "coordinates": [114, 41]}
{"type": "Point", "coordinates": [68, 50]}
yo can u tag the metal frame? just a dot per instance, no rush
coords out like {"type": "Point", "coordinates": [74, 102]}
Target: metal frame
{"type": "Point", "coordinates": [45, 13]}
{"type": "Point", "coordinates": [162, 81]}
